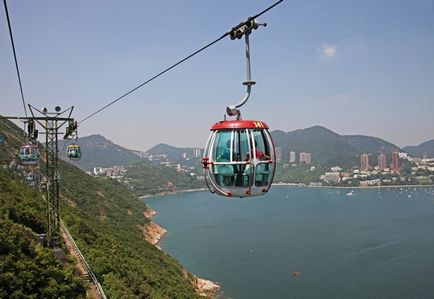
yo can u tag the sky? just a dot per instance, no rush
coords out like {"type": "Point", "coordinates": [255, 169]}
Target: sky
{"type": "Point", "coordinates": [355, 67]}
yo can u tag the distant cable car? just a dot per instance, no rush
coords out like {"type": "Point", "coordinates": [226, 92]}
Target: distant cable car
{"type": "Point", "coordinates": [73, 152]}
{"type": "Point", "coordinates": [29, 154]}
{"type": "Point", "coordinates": [2, 139]}
{"type": "Point", "coordinates": [43, 184]}
{"type": "Point", "coordinates": [239, 158]}
{"type": "Point", "coordinates": [31, 178]}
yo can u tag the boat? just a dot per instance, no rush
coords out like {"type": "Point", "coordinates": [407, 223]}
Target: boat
{"type": "Point", "coordinates": [351, 193]}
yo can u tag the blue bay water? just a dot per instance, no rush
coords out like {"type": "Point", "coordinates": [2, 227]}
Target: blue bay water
{"type": "Point", "coordinates": [376, 244]}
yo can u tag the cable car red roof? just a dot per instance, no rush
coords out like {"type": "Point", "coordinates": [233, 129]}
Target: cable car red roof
{"type": "Point", "coordinates": [239, 124]}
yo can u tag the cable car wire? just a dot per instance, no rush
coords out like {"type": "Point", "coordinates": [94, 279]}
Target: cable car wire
{"type": "Point", "coordinates": [181, 61]}
{"type": "Point", "coordinates": [15, 56]}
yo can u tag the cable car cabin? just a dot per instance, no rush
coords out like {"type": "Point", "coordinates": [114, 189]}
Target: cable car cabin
{"type": "Point", "coordinates": [73, 152]}
{"type": "Point", "coordinates": [239, 158]}
{"type": "Point", "coordinates": [31, 178]}
{"type": "Point", "coordinates": [29, 154]}
{"type": "Point", "coordinates": [2, 139]}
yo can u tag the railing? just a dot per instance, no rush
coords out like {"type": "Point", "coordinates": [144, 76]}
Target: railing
{"type": "Point", "coordinates": [86, 265]}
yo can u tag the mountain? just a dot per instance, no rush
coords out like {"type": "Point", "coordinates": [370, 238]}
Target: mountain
{"type": "Point", "coordinates": [97, 151]}
{"type": "Point", "coordinates": [108, 224]}
{"type": "Point", "coordinates": [181, 155]}
{"type": "Point", "coordinates": [173, 153]}
{"type": "Point", "coordinates": [329, 148]}
{"type": "Point", "coordinates": [421, 149]}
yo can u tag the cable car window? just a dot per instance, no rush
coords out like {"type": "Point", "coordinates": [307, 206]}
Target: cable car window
{"type": "Point", "coordinates": [262, 175]}
{"type": "Point", "coordinates": [242, 155]}
{"type": "Point", "coordinates": [262, 150]}
{"type": "Point", "coordinates": [222, 147]}
{"type": "Point", "coordinates": [241, 145]}
{"type": "Point", "coordinates": [23, 151]}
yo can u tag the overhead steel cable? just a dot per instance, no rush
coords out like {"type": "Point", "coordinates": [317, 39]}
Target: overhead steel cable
{"type": "Point", "coordinates": [154, 77]}
{"type": "Point", "coordinates": [15, 56]}
{"type": "Point", "coordinates": [181, 61]}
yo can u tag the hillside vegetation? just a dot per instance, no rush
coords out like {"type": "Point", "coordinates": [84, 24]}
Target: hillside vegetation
{"type": "Point", "coordinates": [329, 148]}
{"type": "Point", "coordinates": [28, 270]}
{"type": "Point", "coordinates": [152, 179]}
{"type": "Point", "coordinates": [106, 219]}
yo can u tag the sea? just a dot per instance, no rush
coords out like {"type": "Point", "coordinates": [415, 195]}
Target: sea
{"type": "Point", "coordinates": [300, 242]}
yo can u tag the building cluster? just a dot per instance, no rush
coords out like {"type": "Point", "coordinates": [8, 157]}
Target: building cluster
{"type": "Point", "coordinates": [421, 172]}
{"type": "Point", "coordinates": [382, 162]}
{"type": "Point", "coordinates": [113, 172]}
{"type": "Point", "coordinates": [304, 157]}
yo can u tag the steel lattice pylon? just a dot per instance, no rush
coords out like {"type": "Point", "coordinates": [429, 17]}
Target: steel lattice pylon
{"type": "Point", "coordinates": [51, 122]}
{"type": "Point", "coordinates": [51, 170]}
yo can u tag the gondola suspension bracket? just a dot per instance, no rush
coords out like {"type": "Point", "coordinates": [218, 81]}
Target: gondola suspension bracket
{"type": "Point", "coordinates": [237, 32]}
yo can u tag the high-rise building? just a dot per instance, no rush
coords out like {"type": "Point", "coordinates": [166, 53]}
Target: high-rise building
{"type": "Point", "coordinates": [364, 162]}
{"type": "Point", "coordinates": [291, 157]}
{"type": "Point", "coordinates": [305, 157]}
{"type": "Point", "coordinates": [308, 159]}
{"type": "Point", "coordinates": [278, 151]}
{"type": "Point", "coordinates": [382, 161]}
{"type": "Point", "coordinates": [197, 152]}
{"type": "Point", "coordinates": [395, 161]}
{"type": "Point", "coordinates": [302, 157]}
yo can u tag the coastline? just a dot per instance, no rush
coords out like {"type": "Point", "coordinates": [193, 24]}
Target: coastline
{"type": "Point", "coordinates": [171, 193]}
{"type": "Point", "coordinates": [153, 233]}
{"type": "Point", "coordinates": [351, 187]}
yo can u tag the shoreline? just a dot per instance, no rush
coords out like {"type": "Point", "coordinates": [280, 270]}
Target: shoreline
{"type": "Point", "coordinates": [144, 197]}
{"type": "Point", "coordinates": [354, 187]}
{"type": "Point", "coordinates": [153, 233]}
{"type": "Point", "coordinates": [171, 193]}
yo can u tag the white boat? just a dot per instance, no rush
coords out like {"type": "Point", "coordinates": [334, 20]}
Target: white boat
{"type": "Point", "coordinates": [351, 193]}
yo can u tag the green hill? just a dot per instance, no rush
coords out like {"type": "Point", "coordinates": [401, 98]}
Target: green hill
{"type": "Point", "coordinates": [106, 220]}
{"type": "Point", "coordinates": [152, 179]}
{"type": "Point", "coordinates": [328, 148]}
{"type": "Point", "coordinates": [97, 151]}
{"type": "Point", "coordinates": [176, 154]}
{"type": "Point", "coordinates": [421, 149]}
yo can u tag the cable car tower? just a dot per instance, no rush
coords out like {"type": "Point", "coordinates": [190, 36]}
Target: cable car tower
{"type": "Point", "coordinates": [239, 158]}
{"type": "Point", "coordinates": [51, 122]}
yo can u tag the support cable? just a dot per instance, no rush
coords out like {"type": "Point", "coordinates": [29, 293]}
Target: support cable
{"type": "Point", "coordinates": [15, 56]}
{"type": "Point", "coordinates": [181, 61]}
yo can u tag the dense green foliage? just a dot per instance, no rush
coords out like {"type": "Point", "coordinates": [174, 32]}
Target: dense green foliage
{"type": "Point", "coordinates": [298, 174]}
{"type": "Point", "coordinates": [106, 220]}
{"type": "Point", "coordinates": [98, 151]}
{"type": "Point", "coordinates": [149, 179]}
{"type": "Point", "coordinates": [27, 270]}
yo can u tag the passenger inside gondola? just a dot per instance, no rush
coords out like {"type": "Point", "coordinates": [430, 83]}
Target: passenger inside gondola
{"type": "Point", "coordinates": [262, 154]}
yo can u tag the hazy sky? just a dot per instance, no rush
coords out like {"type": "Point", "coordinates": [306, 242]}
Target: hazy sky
{"type": "Point", "coordinates": [355, 67]}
